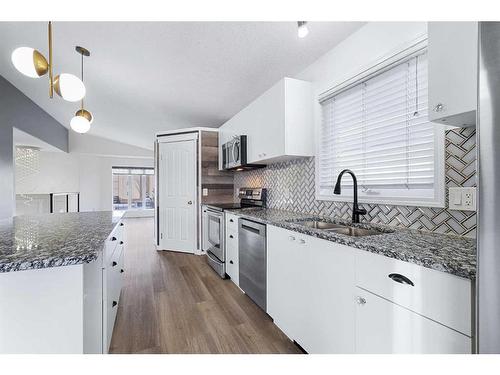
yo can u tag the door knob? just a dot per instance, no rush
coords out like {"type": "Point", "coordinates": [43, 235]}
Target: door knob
{"type": "Point", "coordinates": [190, 202]}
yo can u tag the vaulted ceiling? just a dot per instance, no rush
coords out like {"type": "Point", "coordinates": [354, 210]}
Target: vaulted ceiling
{"type": "Point", "coordinates": [146, 77]}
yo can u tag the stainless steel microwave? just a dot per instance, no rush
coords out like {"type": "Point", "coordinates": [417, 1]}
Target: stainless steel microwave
{"type": "Point", "coordinates": [234, 154]}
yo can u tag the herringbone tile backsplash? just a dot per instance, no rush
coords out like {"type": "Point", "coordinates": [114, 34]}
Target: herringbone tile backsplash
{"type": "Point", "coordinates": [291, 187]}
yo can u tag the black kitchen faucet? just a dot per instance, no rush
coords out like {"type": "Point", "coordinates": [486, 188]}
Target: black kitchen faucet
{"type": "Point", "coordinates": [356, 211]}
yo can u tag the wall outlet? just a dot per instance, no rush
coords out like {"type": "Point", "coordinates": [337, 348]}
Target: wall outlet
{"type": "Point", "coordinates": [462, 198]}
{"type": "Point", "coordinates": [204, 192]}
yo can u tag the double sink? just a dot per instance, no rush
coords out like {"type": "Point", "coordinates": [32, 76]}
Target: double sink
{"type": "Point", "coordinates": [339, 228]}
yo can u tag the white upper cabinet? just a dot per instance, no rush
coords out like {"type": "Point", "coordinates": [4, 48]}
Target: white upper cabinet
{"type": "Point", "coordinates": [453, 54]}
{"type": "Point", "coordinates": [278, 124]}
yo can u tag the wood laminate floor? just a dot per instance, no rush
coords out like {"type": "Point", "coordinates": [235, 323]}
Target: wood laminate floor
{"type": "Point", "coordinates": [175, 303]}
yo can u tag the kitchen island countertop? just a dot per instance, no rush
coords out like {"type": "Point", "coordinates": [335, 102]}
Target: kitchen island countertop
{"type": "Point", "coordinates": [52, 240]}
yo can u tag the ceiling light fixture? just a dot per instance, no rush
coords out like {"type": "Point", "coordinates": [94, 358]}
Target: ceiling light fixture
{"type": "Point", "coordinates": [80, 123]}
{"type": "Point", "coordinates": [302, 29]}
{"type": "Point", "coordinates": [32, 63]}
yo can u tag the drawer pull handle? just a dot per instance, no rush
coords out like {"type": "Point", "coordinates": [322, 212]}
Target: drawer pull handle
{"type": "Point", "coordinates": [401, 279]}
{"type": "Point", "coordinates": [231, 261]}
{"type": "Point", "coordinates": [121, 224]}
{"type": "Point", "coordinates": [114, 264]}
{"type": "Point", "coordinates": [231, 236]}
{"type": "Point", "coordinates": [231, 220]}
{"type": "Point", "coordinates": [113, 238]}
{"type": "Point", "coordinates": [121, 271]}
{"type": "Point", "coordinates": [360, 300]}
{"type": "Point", "coordinates": [121, 242]}
{"type": "Point", "coordinates": [114, 304]}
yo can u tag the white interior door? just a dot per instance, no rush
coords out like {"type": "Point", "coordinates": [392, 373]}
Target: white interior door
{"type": "Point", "coordinates": [177, 196]}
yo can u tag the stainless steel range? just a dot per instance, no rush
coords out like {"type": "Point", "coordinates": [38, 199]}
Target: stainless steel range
{"type": "Point", "coordinates": [214, 230]}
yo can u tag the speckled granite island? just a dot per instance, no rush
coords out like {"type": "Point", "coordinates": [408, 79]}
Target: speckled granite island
{"type": "Point", "coordinates": [60, 282]}
{"type": "Point", "coordinates": [32, 242]}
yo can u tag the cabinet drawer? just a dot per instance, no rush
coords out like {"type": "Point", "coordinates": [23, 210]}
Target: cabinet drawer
{"type": "Point", "coordinates": [382, 327]}
{"type": "Point", "coordinates": [231, 222]}
{"type": "Point", "coordinates": [232, 263]}
{"type": "Point", "coordinates": [437, 295]}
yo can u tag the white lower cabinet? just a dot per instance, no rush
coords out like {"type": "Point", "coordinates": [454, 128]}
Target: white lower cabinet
{"type": "Point", "coordinates": [385, 327]}
{"type": "Point", "coordinates": [332, 298]}
{"type": "Point", "coordinates": [232, 248]}
{"type": "Point", "coordinates": [310, 294]}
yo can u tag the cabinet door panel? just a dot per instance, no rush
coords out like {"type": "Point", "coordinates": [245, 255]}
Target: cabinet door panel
{"type": "Point", "coordinates": [310, 291]}
{"type": "Point", "coordinates": [284, 280]}
{"type": "Point", "coordinates": [452, 73]}
{"type": "Point", "coordinates": [383, 327]}
{"type": "Point", "coordinates": [327, 309]}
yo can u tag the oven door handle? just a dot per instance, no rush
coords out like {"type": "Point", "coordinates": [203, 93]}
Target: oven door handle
{"type": "Point", "coordinates": [213, 257]}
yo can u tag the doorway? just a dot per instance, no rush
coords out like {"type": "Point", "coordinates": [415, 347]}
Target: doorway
{"type": "Point", "coordinates": [133, 188]}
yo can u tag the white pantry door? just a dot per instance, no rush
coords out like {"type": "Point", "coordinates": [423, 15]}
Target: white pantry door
{"type": "Point", "coordinates": [177, 193]}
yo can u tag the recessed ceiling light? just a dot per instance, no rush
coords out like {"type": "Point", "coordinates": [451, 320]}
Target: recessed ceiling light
{"type": "Point", "coordinates": [302, 30]}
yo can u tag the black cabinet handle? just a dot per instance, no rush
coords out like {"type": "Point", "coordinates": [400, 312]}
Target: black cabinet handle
{"type": "Point", "coordinates": [231, 261]}
{"type": "Point", "coordinates": [113, 238]}
{"type": "Point", "coordinates": [121, 242]}
{"type": "Point", "coordinates": [121, 271]}
{"type": "Point", "coordinates": [114, 264]}
{"type": "Point", "coordinates": [231, 220]}
{"type": "Point", "coordinates": [114, 304]}
{"type": "Point", "coordinates": [401, 279]}
{"type": "Point", "coordinates": [121, 224]}
{"type": "Point", "coordinates": [231, 236]}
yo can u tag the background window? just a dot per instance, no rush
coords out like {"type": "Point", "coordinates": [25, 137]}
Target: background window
{"type": "Point", "coordinates": [379, 129]}
{"type": "Point", "coordinates": [133, 188]}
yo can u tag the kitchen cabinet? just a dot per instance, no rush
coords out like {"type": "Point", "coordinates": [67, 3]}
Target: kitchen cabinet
{"type": "Point", "coordinates": [332, 298]}
{"type": "Point", "coordinates": [384, 327]}
{"type": "Point", "coordinates": [63, 309]}
{"type": "Point", "coordinates": [278, 124]}
{"type": "Point", "coordinates": [113, 269]}
{"type": "Point", "coordinates": [232, 248]}
{"type": "Point", "coordinates": [452, 72]}
{"type": "Point", "coordinates": [310, 291]}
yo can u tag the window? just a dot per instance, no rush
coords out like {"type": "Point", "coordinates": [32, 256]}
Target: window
{"type": "Point", "coordinates": [133, 188]}
{"type": "Point", "coordinates": [379, 128]}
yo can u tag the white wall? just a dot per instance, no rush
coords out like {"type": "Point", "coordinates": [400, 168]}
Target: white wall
{"type": "Point", "coordinates": [58, 172]}
{"type": "Point", "coordinates": [96, 190]}
{"type": "Point", "coordinates": [360, 51]}
{"type": "Point", "coordinates": [87, 169]}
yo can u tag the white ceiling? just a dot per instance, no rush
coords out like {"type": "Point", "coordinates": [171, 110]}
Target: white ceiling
{"type": "Point", "coordinates": [145, 77]}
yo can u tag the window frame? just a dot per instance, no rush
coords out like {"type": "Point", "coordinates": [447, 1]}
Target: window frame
{"type": "Point", "coordinates": [389, 196]}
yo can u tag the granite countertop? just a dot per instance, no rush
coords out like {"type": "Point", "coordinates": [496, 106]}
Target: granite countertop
{"type": "Point", "coordinates": [52, 240]}
{"type": "Point", "coordinates": [447, 253]}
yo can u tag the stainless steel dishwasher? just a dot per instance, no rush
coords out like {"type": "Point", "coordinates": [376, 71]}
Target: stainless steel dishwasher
{"type": "Point", "coordinates": [252, 260]}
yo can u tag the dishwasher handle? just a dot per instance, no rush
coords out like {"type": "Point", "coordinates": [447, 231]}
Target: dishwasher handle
{"type": "Point", "coordinates": [252, 226]}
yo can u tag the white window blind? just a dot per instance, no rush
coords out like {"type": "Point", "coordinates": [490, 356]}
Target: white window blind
{"type": "Point", "coordinates": [379, 129]}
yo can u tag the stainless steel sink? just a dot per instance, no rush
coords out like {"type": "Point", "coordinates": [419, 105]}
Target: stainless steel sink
{"type": "Point", "coordinates": [316, 224]}
{"type": "Point", "coordinates": [339, 228]}
{"type": "Point", "coordinates": [356, 232]}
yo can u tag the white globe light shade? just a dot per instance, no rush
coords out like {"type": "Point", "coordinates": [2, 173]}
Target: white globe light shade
{"type": "Point", "coordinates": [24, 60]}
{"type": "Point", "coordinates": [80, 124]}
{"type": "Point", "coordinates": [69, 87]}
{"type": "Point", "coordinates": [303, 31]}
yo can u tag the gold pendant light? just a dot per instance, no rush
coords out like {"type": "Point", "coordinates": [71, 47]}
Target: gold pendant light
{"type": "Point", "coordinates": [80, 123]}
{"type": "Point", "coordinates": [32, 63]}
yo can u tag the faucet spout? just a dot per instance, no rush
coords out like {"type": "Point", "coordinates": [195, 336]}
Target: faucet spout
{"type": "Point", "coordinates": [356, 211]}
